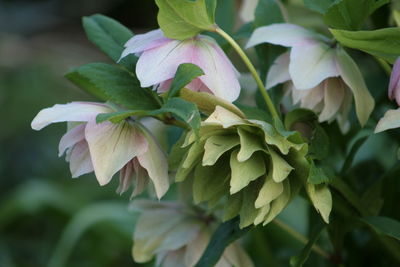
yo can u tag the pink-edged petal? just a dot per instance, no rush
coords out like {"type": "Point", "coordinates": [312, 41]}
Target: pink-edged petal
{"type": "Point", "coordinates": [390, 120]}
{"type": "Point", "coordinates": [333, 98]}
{"type": "Point", "coordinates": [311, 64]}
{"type": "Point", "coordinates": [164, 86]}
{"type": "Point", "coordinates": [143, 42]}
{"type": "Point", "coordinates": [198, 86]}
{"type": "Point", "coordinates": [283, 34]}
{"type": "Point", "coordinates": [72, 137]}
{"type": "Point", "coordinates": [394, 85]}
{"type": "Point", "coordinates": [112, 146]}
{"type": "Point", "coordinates": [353, 78]}
{"type": "Point", "coordinates": [279, 71]}
{"type": "Point", "coordinates": [160, 64]}
{"type": "Point", "coordinates": [75, 111]}
{"type": "Point", "coordinates": [79, 159]}
{"type": "Point", "coordinates": [220, 77]}
{"type": "Point", "coordinates": [155, 162]}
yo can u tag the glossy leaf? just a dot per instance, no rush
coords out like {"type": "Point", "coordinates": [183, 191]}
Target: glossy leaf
{"type": "Point", "coordinates": [184, 75]}
{"type": "Point", "coordinates": [384, 225]}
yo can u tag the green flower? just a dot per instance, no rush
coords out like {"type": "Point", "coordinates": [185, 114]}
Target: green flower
{"type": "Point", "coordinates": [260, 180]}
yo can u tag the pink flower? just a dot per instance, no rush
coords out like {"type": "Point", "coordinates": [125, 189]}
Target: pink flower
{"type": "Point", "coordinates": [394, 85]}
{"type": "Point", "coordinates": [159, 58]}
{"type": "Point", "coordinates": [107, 148]}
{"type": "Point", "coordinates": [321, 77]}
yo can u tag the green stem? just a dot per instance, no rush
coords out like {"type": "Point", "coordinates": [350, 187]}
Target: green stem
{"type": "Point", "coordinates": [301, 238]}
{"type": "Point", "coordinates": [252, 70]}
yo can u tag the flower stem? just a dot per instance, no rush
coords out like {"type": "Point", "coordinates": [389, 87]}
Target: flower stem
{"type": "Point", "coordinates": [301, 238]}
{"type": "Point", "coordinates": [252, 70]}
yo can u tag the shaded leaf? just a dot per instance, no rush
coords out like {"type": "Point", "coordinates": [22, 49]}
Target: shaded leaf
{"type": "Point", "coordinates": [184, 75]}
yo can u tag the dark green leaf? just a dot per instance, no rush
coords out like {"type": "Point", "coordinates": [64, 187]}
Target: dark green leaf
{"type": "Point", "coordinates": [185, 73]}
{"type": "Point", "coordinates": [114, 83]}
{"type": "Point", "coordinates": [299, 115]}
{"type": "Point", "coordinates": [384, 225]}
{"type": "Point", "coordinates": [317, 175]}
{"type": "Point", "coordinates": [351, 14]}
{"type": "Point", "coordinates": [254, 113]}
{"type": "Point", "coordinates": [382, 43]}
{"type": "Point", "coordinates": [299, 260]}
{"type": "Point", "coordinates": [353, 151]}
{"type": "Point", "coordinates": [107, 34]}
{"type": "Point", "coordinates": [320, 6]}
{"type": "Point", "coordinates": [225, 234]}
{"type": "Point", "coordinates": [319, 143]}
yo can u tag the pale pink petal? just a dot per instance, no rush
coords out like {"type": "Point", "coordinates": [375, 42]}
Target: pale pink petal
{"type": "Point", "coordinates": [314, 97]}
{"type": "Point", "coordinates": [143, 42]}
{"type": "Point", "coordinates": [283, 34]}
{"type": "Point", "coordinates": [71, 137]}
{"type": "Point", "coordinates": [174, 259]}
{"type": "Point", "coordinates": [279, 71]}
{"type": "Point", "coordinates": [394, 85]}
{"type": "Point", "coordinates": [75, 111]}
{"type": "Point", "coordinates": [160, 64]}
{"type": "Point", "coordinates": [164, 86]}
{"type": "Point", "coordinates": [79, 160]}
{"type": "Point", "coordinates": [390, 120]}
{"type": "Point", "coordinates": [112, 146]}
{"type": "Point", "coordinates": [236, 256]}
{"type": "Point", "coordinates": [141, 178]}
{"type": "Point", "coordinates": [155, 162]}
{"type": "Point", "coordinates": [126, 175]}
{"type": "Point", "coordinates": [333, 98]}
{"type": "Point", "coordinates": [311, 64]}
{"type": "Point", "coordinates": [195, 249]}
{"type": "Point", "coordinates": [198, 86]}
{"type": "Point", "coordinates": [220, 77]}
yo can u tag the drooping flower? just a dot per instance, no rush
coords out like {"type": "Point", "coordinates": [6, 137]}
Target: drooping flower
{"type": "Point", "coordinates": [159, 58]}
{"type": "Point", "coordinates": [323, 76]}
{"type": "Point", "coordinates": [260, 181]}
{"type": "Point", "coordinates": [394, 85]}
{"type": "Point", "coordinates": [178, 235]}
{"type": "Point", "coordinates": [107, 148]}
{"type": "Point", "coordinates": [391, 119]}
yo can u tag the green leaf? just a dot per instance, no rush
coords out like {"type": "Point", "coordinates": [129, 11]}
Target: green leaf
{"type": "Point", "coordinates": [217, 145]}
{"type": "Point", "coordinates": [115, 84]}
{"type": "Point", "coordinates": [351, 14]}
{"type": "Point", "coordinates": [183, 19]}
{"type": "Point", "coordinates": [299, 260]}
{"type": "Point", "coordinates": [107, 34]}
{"type": "Point", "coordinates": [353, 151]}
{"type": "Point", "coordinates": [225, 234]}
{"type": "Point", "coordinates": [183, 110]}
{"type": "Point", "coordinates": [280, 168]}
{"type": "Point", "coordinates": [185, 73]}
{"type": "Point", "coordinates": [382, 43]}
{"type": "Point", "coordinates": [384, 226]}
{"type": "Point", "coordinates": [320, 6]}
{"type": "Point", "coordinates": [317, 175]}
{"type": "Point", "coordinates": [319, 143]}
{"type": "Point", "coordinates": [321, 198]}
{"type": "Point", "coordinates": [299, 115]}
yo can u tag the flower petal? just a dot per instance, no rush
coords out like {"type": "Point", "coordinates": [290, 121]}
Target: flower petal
{"type": "Point", "coordinates": [248, 9]}
{"type": "Point", "coordinates": [155, 162]}
{"type": "Point", "coordinates": [390, 120]}
{"type": "Point", "coordinates": [283, 34]}
{"type": "Point", "coordinates": [75, 111]}
{"type": "Point", "coordinates": [220, 77]}
{"type": "Point", "coordinates": [394, 85]}
{"type": "Point", "coordinates": [333, 98]}
{"type": "Point", "coordinates": [352, 76]}
{"type": "Point", "coordinates": [72, 137]}
{"type": "Point", "coordinates": [160, 64]}
{"type": "Point", "coordinates": [112, 146]}
{"type": "Point", "coordinates": [313, 98]}
{"type": "Point", "coordinates": [79, 161]}
{"type": "Point", "coordinates": [279, 71]}
{"type": "Point", "coordinates": [311, 64]}
{"type": "Point", "coordinates": [143, 42]}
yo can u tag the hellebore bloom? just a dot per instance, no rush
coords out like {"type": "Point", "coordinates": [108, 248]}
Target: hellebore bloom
{"type": "Point", "coordinates": [159, 58]}
{"type": "Point", "coordinates": [178, 236]}
{"type": "Point", "coordinates": [394, 85]}
{"type": "Point", "coordinates": [258, 185]}
{"type": "Point", "coordinates": [107, 148]}
{"type": "Point", "coordinates": [391, 119]}
{"type": "Point", "coordinates": [323, 77]}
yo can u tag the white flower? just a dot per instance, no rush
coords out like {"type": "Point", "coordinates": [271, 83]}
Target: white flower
{"type": "Point", "coordinates": [107, 148]}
